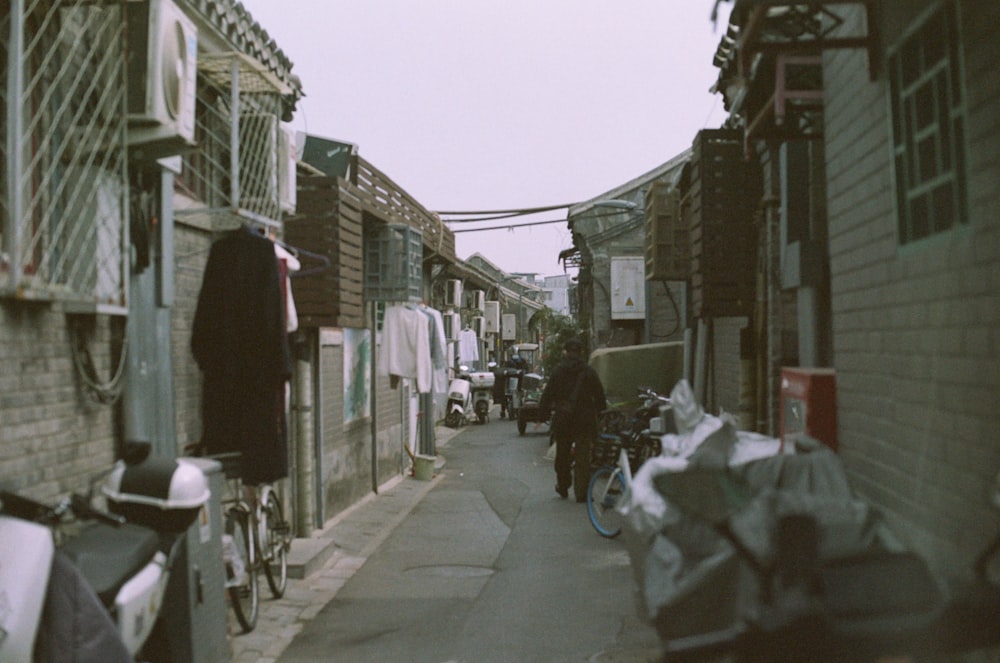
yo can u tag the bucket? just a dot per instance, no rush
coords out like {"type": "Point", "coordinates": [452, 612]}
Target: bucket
{"type": "Point", "coordinates": [423, 467]}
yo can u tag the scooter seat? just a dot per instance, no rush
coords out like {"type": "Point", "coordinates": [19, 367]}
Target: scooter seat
{"type": "Point", "coordinates": [108, 555]}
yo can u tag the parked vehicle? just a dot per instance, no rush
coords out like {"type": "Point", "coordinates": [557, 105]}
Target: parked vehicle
{"type": "Point", "coordinates": [531, 385]}
{"type": "Point", "coordinates": [626, 440]}
{"type": "Point", "coordinates": [459, 403]}
{"type": "Point", "coordinates": [108, 570]}
{"type": "Point", "coordinates": [482, 390]}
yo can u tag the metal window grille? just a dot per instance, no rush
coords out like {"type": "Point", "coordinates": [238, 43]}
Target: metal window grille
{"type": "Point", "coordinates": [928, 127]}
{"type": "Point", "coordinates": [393, 264]}
{"type": "Point", "coordinates": [241, 169]}
{"type": "Point", "coordinates": [63, 208]}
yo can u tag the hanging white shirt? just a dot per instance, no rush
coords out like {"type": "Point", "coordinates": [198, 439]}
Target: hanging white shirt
{"type": "Point", "coordinates": [405, 350]}
{"type": "Point", "coordinates": [468, 346]}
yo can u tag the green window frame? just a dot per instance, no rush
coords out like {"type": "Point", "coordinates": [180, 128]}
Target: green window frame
{"type": "Point", "coordinates": [928, 126]}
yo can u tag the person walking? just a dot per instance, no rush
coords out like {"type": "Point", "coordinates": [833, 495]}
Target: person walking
{"type": "Point", "coordinates": [575, 396]}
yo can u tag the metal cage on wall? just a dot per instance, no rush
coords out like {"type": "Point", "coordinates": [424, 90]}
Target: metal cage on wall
{"type": "Point", "coordinates": [243, 168]}
{"type": "Point", "coordinates": [64, 202]}
{"type": "Point", "coordinates": [393, 264]}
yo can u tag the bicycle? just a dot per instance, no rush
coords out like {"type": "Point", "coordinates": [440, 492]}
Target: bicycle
{"type": "Point", "coordinates": [239, 546]}
{"type": "Point", "coordinates": [273, 540]}
{"type": "Point", "coordinates": [623, 444]}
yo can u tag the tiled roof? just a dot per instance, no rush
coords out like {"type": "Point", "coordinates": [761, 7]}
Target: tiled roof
{"type": "Point", "coordinates": [247, 36]}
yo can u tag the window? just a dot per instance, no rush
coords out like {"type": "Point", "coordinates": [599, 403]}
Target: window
{"type": "Point", "coordinates": [64, 183]}
{"type": "Point", "coordinates": [928, 127]}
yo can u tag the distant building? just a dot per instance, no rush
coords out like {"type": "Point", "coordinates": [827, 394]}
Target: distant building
{"type": "Point", "coordinates": [555, 293]}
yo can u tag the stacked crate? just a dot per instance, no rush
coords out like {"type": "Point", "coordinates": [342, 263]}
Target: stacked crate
{"type": "Point", "coordinates": [724, 192]}
{"type": "Point", "coordinates": [668, 248]}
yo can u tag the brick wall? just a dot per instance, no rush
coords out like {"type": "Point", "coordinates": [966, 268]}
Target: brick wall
{"type": "Point", "coordinates": [917, 328]}
{"type": "Point", "coordinates": [724, 378]}
{"type": "Point", "coordinates": [53, 435]}
{"type": "Point", "coordinates": [346, 463]}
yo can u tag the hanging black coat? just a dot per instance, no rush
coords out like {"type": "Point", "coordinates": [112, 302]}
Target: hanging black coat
{"type": "Point", "coordinates": [240, 343]}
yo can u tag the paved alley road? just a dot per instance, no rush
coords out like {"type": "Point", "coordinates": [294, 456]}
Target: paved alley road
{"type": "Point", "coordinates": [490, 566]}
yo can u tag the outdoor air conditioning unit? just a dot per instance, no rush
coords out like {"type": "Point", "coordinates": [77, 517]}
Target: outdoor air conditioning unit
{"type": "Point", "coordinates": [452, 325]}
{"type": "Point", "coordinates": [162, 71]}
{"type": "Point", "coordinates": [479, 326]}
{"type": "Point", "coordinates": [492, 317]}
{"type": "Point", "coordinates": [452, 292]}
{"type": "Point", "coordinates": [479, 300]}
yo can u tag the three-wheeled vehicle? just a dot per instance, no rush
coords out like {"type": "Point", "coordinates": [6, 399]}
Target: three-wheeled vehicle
{"type": "Point", "coordinates": [531, 385]}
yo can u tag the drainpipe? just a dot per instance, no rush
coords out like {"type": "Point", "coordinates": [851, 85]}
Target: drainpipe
{"type": "Point", "coordinates": [772, 279]}
{"type": "Point", "coordinates": [305, 494]}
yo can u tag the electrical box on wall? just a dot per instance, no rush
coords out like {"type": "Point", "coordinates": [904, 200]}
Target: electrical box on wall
{"type": "Point", "coordinates": [808, 405]}
{"type": "Point", "coordinates": [492, 317]}
{"type": "Point", "coordinates": [508, 327]}
{"type": "Point", "coordinates": [628, 288]}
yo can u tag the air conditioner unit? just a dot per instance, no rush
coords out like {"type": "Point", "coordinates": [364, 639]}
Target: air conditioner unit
{"type": "Point", "coordinates": [452, 325]}
{"type": "Point", "coordinates": [162, 71]}
{"type": "Point", "coordinates": [478, 300]}
{"type": "Point", "coordinates": [492, 317]}
{"type": "Point", "coordinates": [452, 292]}
{"type": "Point", "coordinates": [479, 326]}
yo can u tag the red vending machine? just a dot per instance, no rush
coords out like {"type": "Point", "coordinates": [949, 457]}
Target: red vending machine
{"type": "Point", "coordinates": [809, 405]}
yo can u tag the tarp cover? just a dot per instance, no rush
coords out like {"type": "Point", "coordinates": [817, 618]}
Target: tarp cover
{"type": "Point", "coordinates": [689, 577]}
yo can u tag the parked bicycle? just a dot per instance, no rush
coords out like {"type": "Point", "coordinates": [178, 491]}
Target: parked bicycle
{"type": "Point", "coordinates": [625, 441]}
{"type": "Point", "coordinates": [256, 538]}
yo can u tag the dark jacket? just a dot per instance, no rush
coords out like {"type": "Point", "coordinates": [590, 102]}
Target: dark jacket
{"type": "Point", "coordinates": [590, 399]}
{"type": "Point", "coordinates": [239, 341]}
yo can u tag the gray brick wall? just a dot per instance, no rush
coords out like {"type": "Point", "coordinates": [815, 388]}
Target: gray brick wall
{"type": "Point", "coordinates": [346, 464]}
{"type": "Point", "coordinates": [916, 333]}
{"type": "Point", "coordinates": [724, 380]}
{"type": "Point", "coordinates": [53, 435]}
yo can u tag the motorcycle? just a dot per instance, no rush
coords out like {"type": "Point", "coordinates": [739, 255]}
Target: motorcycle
{"type": "Point", "coordinates": [106, 572]}
{"type": "Point", "coordinates": [459, 399]}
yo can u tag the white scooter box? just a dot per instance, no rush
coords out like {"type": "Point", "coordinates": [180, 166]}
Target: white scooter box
{"type": "Point", "coordinates": [160, 493]}
{"type": "Point", "coordinates": [481, 379]}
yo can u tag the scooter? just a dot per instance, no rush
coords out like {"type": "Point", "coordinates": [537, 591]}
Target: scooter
{"type": "Point", "coordinates": [106, 573]}
{"type": "Point", "coordinates": [459, 399]}
{"type": "Point", "coordinates": [482, 392]}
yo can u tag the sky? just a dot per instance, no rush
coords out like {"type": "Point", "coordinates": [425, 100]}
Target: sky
{"type": "Point", "coordinates": [471, 105]}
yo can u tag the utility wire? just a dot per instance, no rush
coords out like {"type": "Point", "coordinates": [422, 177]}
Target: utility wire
{"type": "Point", "coordinates": [512, 212]}
{"type": "Point", "coordinates": [509, 226]}
{"type": "Point", "coordinates": [632, 216]}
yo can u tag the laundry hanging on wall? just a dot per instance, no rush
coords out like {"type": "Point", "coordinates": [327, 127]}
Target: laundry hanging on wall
{"type": "Point", "coordinates": [413, 346]}
{"type": "Point", "coordinates": [468, 347]}
{"type": "Point", "coordinates": [239, 340]}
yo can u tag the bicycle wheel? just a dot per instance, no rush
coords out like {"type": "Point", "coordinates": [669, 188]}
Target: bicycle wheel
{"type": "Point", "coordinates": [605, 489]}
{"type": "Point", "coordinates": [242, 587]}
{"type": "Point", "coordinates": [274, 544]}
